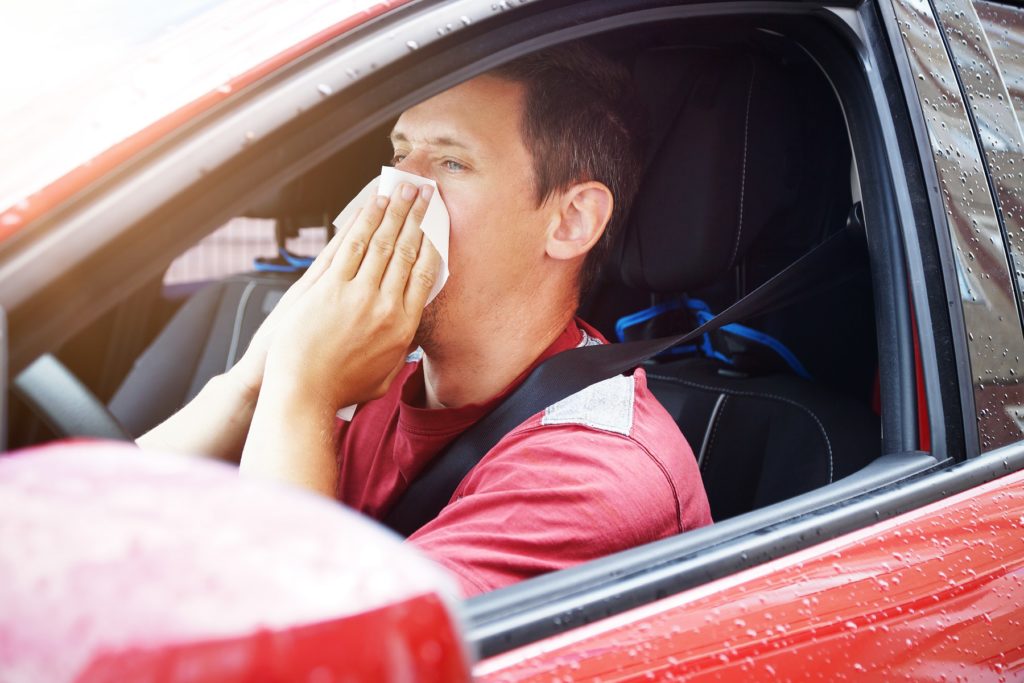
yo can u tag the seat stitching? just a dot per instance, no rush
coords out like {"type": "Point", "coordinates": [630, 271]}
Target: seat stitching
{"type": "Point", "coordinates": [712, 421]}
{"type": "Point", "coordinates": [755, 394]}
{"type": "Point", "coordinates": [743, 176]}
{"type": "Point", "coordinates": [714, 431]}
{"type": "Point", "coordinates": [236, 331]}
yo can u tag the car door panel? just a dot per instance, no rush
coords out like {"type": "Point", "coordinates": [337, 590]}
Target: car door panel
{"type": "Point", "coordinates": [937, 591]}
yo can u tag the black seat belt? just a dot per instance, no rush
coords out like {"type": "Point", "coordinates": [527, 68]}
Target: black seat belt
{"type": "Point", "coordinates": [573, 370]}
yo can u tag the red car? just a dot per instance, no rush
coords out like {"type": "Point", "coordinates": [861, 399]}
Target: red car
{"type": "Point", "coordinates": [862, 446]}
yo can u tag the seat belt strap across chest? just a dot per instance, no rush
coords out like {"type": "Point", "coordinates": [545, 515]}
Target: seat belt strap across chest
{"type": "Point", "coordinates": [573, 370]}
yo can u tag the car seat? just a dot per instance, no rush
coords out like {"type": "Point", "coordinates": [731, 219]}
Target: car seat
{"type": "Point", "coordinates": [204, 338]}
{"type": "Point", "coordinates": [731, 195]}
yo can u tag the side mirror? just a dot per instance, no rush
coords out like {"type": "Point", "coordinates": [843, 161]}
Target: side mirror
{"type": "Point", "coordinates": [119, 565]}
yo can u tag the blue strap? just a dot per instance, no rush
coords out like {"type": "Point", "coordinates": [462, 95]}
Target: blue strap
{"type": "Point", "coordinates": [772, 343]}
{"type": "Point", "coordinates": [292, 263]}
{"type": "Point", "coordinates": [633, 319]}
{"type": "Point", "coordinates": [295, 260]}
{"type": "Point", "coordinates": [703, 314]}
{"type": "Point", "coordinates": [262, 266]}
{"type": "Point", "coordinates": [625, 322]}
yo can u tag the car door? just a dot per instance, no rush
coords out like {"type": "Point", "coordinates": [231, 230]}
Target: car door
{"type": "Point", "coordinates": [934, 593]}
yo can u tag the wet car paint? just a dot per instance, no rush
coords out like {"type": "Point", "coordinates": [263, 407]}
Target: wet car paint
{"type": "Point", "coordinates": [936, 594]}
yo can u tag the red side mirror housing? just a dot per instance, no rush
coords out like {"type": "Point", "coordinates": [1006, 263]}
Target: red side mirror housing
{"type": "Point", "coordinates": [118, 564]}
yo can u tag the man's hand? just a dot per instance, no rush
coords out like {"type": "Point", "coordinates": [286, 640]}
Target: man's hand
{"type": "Point", "coordinates": [343, 339]}
{"type": "Point", "coordinates": [340, 338]}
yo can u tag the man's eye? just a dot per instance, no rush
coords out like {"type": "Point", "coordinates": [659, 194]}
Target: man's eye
{"type": "Point", "coordinates": [397, 159]}
{"type": "Point", "coordinates": [452, 165]}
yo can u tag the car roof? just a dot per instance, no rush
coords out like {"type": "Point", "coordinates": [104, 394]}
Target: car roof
{"type": "Point", "coordinates": [97, 83]}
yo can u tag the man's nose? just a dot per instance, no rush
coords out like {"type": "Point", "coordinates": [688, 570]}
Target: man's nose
{"type": "Point", "coordinates": [418, 164]}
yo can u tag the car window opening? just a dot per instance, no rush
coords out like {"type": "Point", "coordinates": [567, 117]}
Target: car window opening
{"type": "Point", "coordinates": [750, 167]}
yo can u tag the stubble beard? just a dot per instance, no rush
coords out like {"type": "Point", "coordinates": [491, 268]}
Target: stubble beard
{"type": "Point", "coordinates": [428, 334]}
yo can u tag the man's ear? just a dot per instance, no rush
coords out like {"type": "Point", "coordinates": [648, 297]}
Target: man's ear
{"type": "Point", "coordinates": [583, 212]}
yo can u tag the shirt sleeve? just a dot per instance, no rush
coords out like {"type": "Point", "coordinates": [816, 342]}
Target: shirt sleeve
{"type": "Point", "coordinates": [549, 497]}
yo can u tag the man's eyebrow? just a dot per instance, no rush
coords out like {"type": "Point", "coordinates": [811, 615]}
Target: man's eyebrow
{"type": "Point", "coordinates": [441, 141]}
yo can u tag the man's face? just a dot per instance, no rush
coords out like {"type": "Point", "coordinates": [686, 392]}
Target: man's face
{"type": "Point", "coordinates": [468, 140]}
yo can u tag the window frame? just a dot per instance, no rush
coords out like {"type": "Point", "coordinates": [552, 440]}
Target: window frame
{"type": "Point", "coordinates": [943, 120]}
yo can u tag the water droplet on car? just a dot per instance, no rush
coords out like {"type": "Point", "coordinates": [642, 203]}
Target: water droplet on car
{"type": "Point", "coordinates": [324, 89]}
{"type": "Point", "coordinates": [224, 89]}
{"type": "Point", "coordinates": [412, 45]}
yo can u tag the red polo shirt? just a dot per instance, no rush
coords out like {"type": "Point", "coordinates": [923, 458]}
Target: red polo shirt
{"type": "Point", "coordinates": [601, 471]}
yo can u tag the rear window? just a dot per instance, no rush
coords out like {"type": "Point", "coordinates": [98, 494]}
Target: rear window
{"type": "Point", "coordinates": [234, 247]}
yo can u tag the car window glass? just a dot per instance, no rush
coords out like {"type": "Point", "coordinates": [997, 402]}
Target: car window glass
{"type": "Point", "coordinates": [234, 247]}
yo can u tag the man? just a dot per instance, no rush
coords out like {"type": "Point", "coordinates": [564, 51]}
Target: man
{"type": "Point", "coordinates": [533, 161]}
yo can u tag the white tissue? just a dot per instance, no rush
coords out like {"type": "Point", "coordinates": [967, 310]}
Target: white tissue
{"type": "Point", "coordinates": [435, 226]}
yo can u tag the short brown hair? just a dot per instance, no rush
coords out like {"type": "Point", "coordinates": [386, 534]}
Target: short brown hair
{"type": "Point", "coordinates": [581, 122]}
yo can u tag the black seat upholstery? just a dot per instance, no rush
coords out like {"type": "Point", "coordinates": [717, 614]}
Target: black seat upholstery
{"type": "Point", "coordinates": [729, 182]}
{"type": "Point", "coordinates": [204, 338]}
{"type": "Point", "coordinates": [762, 439]}
{"type": "Point", "coordinates": [722, 166]}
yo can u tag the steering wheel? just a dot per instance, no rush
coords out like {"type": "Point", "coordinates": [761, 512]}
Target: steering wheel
{"type": "Point", "coordinates": [66, 405]}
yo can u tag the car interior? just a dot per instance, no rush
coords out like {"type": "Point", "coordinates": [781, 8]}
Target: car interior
{"type": "Point", "coordinates": [750, 166]}
{"type": "Point", "coordinates": [751, 128]}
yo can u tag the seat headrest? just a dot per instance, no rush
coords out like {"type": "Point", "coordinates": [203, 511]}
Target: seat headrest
{"type": "Point", "coordinates": [723, 126]}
